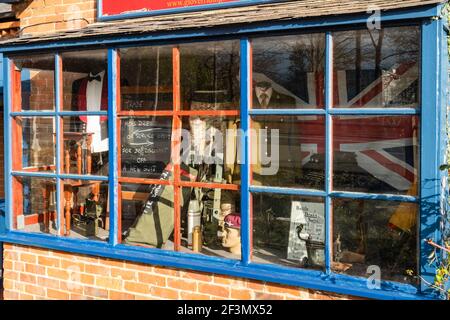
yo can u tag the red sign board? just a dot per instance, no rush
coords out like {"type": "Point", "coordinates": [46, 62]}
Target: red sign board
{"type": "Point", "coordinates": [114, 8]}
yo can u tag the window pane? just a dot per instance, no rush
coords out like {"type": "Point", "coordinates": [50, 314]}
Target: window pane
{"type": "Point", "coordinates": [37, 82]}
{"type": "Point", "coordinates": [375, 233]}
{"type": "Point", "coordinates": [85, 81]}
{"type": "Point", "coordinates": [377, 68]}
{"type": "Point", "coordinates": [211, 222]}
{"type": "Point", "coordinates": [38, 144]}
{"type": "Point", "coordinates": [146, 78]}
{"type": "Point", "coordinates": [85, 145]}
{"type": "Point", "coordinates": [288, 151]}
{"type": "Point", "coordinates": [289, 230]}
{"type": "Point", "coordinates": [34, 205]}
{"type": "Point", "coordinates": [210, 75]}
{"type": "Point", "coordinates": [85, 212]}
{"type": "Point", "coordinates": [376, 154]}
{"type": "Point", "coordinates": [288, 72]}
{"type": "Point", "coordinates": [148, 215]}
{"type": "Point", "coordinates": [211, 146]}
{"type": "Point", "coordinates": [145, 146]}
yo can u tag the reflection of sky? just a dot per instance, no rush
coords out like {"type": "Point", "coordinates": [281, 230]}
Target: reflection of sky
{"type": "Point", "coordinates": [286, 61]}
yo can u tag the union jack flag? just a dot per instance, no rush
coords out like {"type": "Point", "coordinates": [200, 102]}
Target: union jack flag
{"type": "Point", "coordinates": [383, 145]}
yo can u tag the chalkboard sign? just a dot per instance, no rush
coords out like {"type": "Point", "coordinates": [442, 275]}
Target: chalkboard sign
{"type": "Point", "coordinates": [146, 146]}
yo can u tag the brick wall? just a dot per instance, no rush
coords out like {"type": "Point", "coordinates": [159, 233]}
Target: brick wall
{"type": "Point", "coordinates": [31, 273]}
{"type": "Point", "coordinates": [46, 16]}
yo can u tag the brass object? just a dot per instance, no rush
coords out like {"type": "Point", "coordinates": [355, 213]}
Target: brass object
{"type": "Point", "coordinates": [197, 239]}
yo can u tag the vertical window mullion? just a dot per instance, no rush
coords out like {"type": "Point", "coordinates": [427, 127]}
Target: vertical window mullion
{"type": "Point", "coordinates": [329, 149]}
{"type": "Point", "coordinates": [246, 89]}
{"type": "Point", "coordinates": [176, 143]}
{"type": "Point", "coordinates": [113, 104]}
{"type": "Point", "coordinates": [58, 137]}
{"type": "Point", "coordinates": [7, 74]}
{"type": "Point", "coordinates": [430, 157]}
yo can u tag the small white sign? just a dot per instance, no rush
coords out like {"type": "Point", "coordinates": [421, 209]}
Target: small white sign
{"type": "Point", "coordinates": [312, 216]}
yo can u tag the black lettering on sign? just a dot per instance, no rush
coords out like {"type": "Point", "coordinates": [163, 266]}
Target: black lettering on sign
{"type": "Point", "coordinates": [146, 146]}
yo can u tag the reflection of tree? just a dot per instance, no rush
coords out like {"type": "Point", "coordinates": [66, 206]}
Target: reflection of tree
{"type": "Point", "coordinates": [210, 67]}
{"type": "Point", "coordinates": [375, 49]}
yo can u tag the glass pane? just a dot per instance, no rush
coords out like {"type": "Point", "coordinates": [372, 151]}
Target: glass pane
{"type": "Point", "coordinates": [147, 215]}
{"type": "Point", "coordinates": [288, 72]}
{"type": "Point", "coordinates": [376, 154]}
{"type": "Point", "coordinates": [85, 145]}
{"type": "Point", "coordinates": [34, 205]}
{"type": "Point", "coordinates": [85, 212]}
{"type": "Point", "coordinates": [145, 146]}
{"type": "Point", "coordinates": [288, 151]}
{"type": "Point", "coordinates": [211, 145]}
{"type": "Point", "coordinates": [211, 222]}
{"type": "Point", "coordinates": [146, 78]}
{"type": "Point", "coordinates": [85, 81]}
{"type": "Point", "coordinates": [289, 230]}
{"type": "Point", "coordinates": [380, 234]}
{"type": "Point", "coordinates": [37, 82]}
{"type": "Point", "coordinates": [377, 68]}
{"type": "Point", "coordinates": [38, 144]}
{"type": "Point", "coordinates": [210, 75]}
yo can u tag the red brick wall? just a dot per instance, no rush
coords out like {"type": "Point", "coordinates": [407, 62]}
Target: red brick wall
{"type": "Point", "coordinates": [31, 273]}
{"type": "Point", "coordinates": [46, 16]}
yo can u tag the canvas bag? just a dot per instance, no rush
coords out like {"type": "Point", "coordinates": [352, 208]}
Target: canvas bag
{"type": "Point", "coordinates": [156, 222]}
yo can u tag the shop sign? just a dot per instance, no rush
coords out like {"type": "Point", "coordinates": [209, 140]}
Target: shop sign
{"type": "Point", "coordinates": [113, 9]}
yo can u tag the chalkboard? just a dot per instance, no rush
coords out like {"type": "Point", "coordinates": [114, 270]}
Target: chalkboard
{"type": "Point", "coordinates": [145, 148]}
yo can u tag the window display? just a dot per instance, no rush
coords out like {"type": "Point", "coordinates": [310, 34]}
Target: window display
{"type": "Point", "coordinates": [289, 230]}
{"type": "Point", "coordinates": [168, 167]}
{"type": "Point", "coordinates": [375, 233]}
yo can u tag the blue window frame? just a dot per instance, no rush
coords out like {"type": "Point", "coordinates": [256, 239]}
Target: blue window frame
{"type": "Point", "coordinates": [429, 197]}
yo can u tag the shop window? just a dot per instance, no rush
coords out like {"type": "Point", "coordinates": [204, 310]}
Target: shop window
{"type": "Point", "coordinates": [179, 146]}
{"type": "Point", "coordinates": [332, 186]}
{"type": "Point", "coordinates": [361, 157]}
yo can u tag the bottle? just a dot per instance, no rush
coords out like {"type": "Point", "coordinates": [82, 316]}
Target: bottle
{"type": "Point", "coordinates": [197, 239]}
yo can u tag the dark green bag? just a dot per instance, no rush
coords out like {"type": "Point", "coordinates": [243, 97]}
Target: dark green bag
{"type": "Point", "coordinates": [156, 222]}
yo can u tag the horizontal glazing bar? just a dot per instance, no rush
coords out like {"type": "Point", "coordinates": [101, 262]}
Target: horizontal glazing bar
{"type": "Point", "coordinates": [143, 181]}
{"type": "Point", "coordinates": [82, 113]}
{"type": "Point", "coordinates": [257, 112]}
{"type": "Point", "coordinates": [61, 176]}
{"type": "Point", "coordinates": [374, 111]}
{"type": "Point", "coordinates": [43, 175]}
{"type": "Point", "coordinates": [368, 196]}
{"type": "Point", "coordinates": [83, 177]}
{"type": "Point", "coordinates": [289, 191]}
{"type": "Point", "coordinates": [54, 113]}
{"type": "Point", "coordinates": [33, 114]}
{"type": "Point", "coordinates": [162, 113]}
